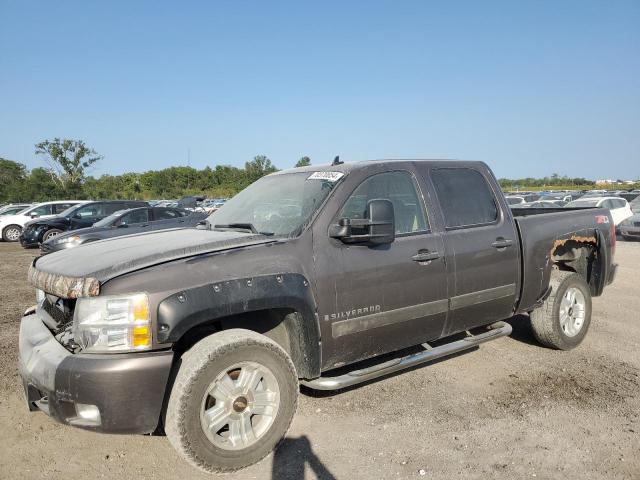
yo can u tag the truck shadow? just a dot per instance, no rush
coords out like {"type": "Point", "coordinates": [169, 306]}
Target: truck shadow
{"type": "Point", "coordinates": [521, 325]}
{"type": "Point", "coordinates": [291, 457]}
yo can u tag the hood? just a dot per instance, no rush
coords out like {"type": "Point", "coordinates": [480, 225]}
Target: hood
{"type": "Point", "coordinates": [56, 220]}
{"type": "Point", "coordinates": [79, 271]}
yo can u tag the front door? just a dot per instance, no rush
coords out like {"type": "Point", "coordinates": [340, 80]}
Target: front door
{"type": "Point", "coordinates": [376, 299]}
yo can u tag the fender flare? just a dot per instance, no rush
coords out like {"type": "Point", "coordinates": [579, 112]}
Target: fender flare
{"type": "Point", "coordinates": [189, 308]}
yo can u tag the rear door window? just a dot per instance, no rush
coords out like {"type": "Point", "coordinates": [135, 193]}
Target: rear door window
{"type": "Point", "coordinates": [166, 213]}
{"type": "Point", "coordinates": [61, 207]}
{"type": "Point", "coordinates": [109, 208]}
{"type": "Point", "coordinates": [465, 197]}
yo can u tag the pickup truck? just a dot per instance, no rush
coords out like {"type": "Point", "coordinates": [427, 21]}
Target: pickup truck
{"type": "Point", "coordinates": [323, 276]}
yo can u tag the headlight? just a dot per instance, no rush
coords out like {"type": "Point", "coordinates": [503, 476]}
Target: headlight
{"type": "Point", "coordinates": [71, 239]}
{"type": "Point", "coordinates": [112, 323]}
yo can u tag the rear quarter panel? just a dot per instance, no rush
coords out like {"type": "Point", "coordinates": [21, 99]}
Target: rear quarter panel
{"type": "Point", "coordinates": [540, 233]}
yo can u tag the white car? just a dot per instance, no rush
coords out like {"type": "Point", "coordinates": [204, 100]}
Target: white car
{"type": "Point", "coordinates": [11, 225]}
{"type": "Point", "coordinates": [619, 207]}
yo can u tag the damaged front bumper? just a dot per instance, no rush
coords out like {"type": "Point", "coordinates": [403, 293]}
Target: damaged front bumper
{"type": "Point", "coordinates": [114, 393]}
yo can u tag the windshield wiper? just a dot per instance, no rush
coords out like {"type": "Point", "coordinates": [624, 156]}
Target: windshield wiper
{"type": "Point", "coordinates": [242, 226]}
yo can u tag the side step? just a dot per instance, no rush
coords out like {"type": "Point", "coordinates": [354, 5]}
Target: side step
{"type": "Point", "coordinates": [496, 330]}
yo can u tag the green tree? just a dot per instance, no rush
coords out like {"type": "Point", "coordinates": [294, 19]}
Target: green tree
{"type": "Point", "coordinates": [258, 167]}
{"type": "Point", "coordinates": [67, 160]}
{"type": "Point", "coordinates": [13, 176]}
{"type": "Point", "coordinates": [303, 162]}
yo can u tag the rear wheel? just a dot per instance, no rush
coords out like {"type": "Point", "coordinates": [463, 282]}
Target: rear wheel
{"type": "Point", "coordinates": [563, 320]}
{"type": "Point", "coordinates": [54, 232]}
{"type": "Point", "coordinates": [11, 233]}
{"type": "Point", "coordinates": [232, 402]}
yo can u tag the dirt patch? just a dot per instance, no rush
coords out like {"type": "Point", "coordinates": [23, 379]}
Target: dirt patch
{"type": "Point", "coordinates": [597, 383]}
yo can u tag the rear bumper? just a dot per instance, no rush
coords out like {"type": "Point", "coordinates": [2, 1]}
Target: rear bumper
{"type": "Point", "coordinates": [127, 389]}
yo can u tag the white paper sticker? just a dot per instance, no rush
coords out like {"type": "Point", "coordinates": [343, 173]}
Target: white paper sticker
{"type": "Point", "coordinates": [329, 176]}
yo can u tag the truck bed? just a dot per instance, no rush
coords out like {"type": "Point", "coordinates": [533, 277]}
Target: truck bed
{"type": "Point", "coordinates": [541, 230]}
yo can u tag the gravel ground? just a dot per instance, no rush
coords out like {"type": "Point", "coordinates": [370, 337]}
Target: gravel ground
{"type": "Point", "coordinates": [510, 409]}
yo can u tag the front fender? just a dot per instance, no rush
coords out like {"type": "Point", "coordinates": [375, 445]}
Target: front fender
{"type": "Point", "coordinates": [189, 308]}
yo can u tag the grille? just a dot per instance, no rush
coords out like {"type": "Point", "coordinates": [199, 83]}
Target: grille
{"type": "Point", "coordinates": [60, 310]}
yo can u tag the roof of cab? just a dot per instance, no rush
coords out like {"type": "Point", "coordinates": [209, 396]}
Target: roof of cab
{"type": "Point", "coordinates": [347, 167]}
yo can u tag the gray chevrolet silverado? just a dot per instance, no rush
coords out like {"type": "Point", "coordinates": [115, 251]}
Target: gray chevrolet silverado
{"type": "Point", "coordinates": [326, 276]}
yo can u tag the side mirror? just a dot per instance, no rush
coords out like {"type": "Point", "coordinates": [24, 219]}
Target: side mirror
{"type": "Point", "coordinates": [377, 228]}
{"type": "Point", "coordinates": [34, 215]}
{"type": "Point", "coordinates": [123, 225]}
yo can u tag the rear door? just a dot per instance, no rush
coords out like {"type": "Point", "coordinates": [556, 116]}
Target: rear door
{"type": "Point", "coordinates": [376, 299]}
{"type": "Point", "coordinates": [482, 247]}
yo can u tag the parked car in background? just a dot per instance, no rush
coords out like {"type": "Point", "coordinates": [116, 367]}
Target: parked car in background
{"type": "Point", "coordinates": [545, 204]}
{"type": "Point", "coordinates": [630, 228]}
{"type": "Point", "coordinates": [619, 207]}
{"type": "Point", "coordinates": [514, 200]}
{"type": "Point", "coordinates": [13, 208]}
{"type": "Point", "coordinates": [11, 225]}
{"type": "Point", "coordinates": [75, 217]}
{"type": "Point", "coordinates": [125, 222]}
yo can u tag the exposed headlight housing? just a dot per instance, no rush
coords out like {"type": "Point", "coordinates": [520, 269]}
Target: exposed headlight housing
{"type": "Point", "coordinates": [112, 323]}
{"type": "Point", "coordinates": [40, 296]}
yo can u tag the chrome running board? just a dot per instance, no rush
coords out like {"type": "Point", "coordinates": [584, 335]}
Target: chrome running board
{"type": "Point", "coordinates": [496, 330]}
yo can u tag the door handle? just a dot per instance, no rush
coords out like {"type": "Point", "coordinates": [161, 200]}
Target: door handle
{"type": "Point", "coordinates": [502, 243]}
{"type": "Point", "coordinates": [425, 256]}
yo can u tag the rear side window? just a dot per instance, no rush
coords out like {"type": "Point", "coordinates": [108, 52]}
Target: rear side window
{"type": "Point", "coordinates": [465, 197]}
{"type": "Point", "coordinates": [61, 207]}
{"type": "Point", "coordinates": [109, 208]}
{"type": "Point", "coordinates": [166, 213]}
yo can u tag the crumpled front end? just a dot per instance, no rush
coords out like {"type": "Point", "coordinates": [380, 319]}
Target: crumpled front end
{"type": "Point", "coordinates": [63, 286]}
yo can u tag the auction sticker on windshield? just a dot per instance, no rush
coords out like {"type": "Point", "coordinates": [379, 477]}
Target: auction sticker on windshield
{"type": "Point", "coordinates": [329, 176]}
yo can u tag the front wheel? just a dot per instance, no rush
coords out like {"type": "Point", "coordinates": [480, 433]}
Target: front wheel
{"type": "Point", "coordinates": [11, 233]}
{"type": "Point", "coordinates": [54, 232]}
{"type": "Point", "coordinates": [563, 320]}
{"type": "Point", "coordinates": [232, 402]}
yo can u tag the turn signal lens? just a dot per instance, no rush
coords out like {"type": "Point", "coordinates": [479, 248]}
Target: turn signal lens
{"type": "Point", "coordinates": [141, 336]}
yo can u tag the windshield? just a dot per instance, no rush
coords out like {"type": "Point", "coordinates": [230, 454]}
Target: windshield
{"type": "Point", "coordinates": [107, 221]}
{"type": "Point", "coordinates": [583, 203]}
{"type": "Point", "coordinates": [277, 204]}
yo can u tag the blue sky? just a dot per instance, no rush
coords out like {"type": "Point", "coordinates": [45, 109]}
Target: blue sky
{"type": "Point", "coordinates": [532, 88]}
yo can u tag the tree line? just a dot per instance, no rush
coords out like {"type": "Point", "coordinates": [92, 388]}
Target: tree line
{"type": "Point", "coordinates": [66, 177]}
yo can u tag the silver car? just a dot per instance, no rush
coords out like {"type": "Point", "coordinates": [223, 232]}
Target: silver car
{"type": "Point", "coordinates": [630, 228]}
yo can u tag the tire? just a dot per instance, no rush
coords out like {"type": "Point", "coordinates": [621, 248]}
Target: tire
{"type": "Point", "coordinates": [547, 321]}
{"type": "Point", "coordinates": [11, 233]}
{"type": "Point", "coordinates": [50, 234]}
{"type": "Point", "coordinates": [209, 366]}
